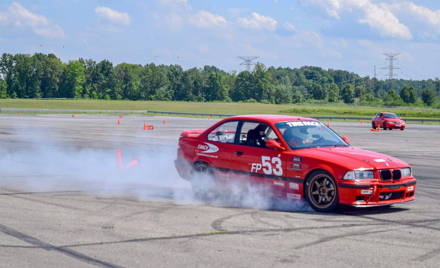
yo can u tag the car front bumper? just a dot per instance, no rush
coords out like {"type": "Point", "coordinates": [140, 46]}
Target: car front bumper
{"type": "Point", "coordinates": [377, 194]}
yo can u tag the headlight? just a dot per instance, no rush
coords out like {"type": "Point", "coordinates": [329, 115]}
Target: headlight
{"type": "Point", "coordinates": [406, 172]}
{"type": "Point", "coordinates": [359, 174]}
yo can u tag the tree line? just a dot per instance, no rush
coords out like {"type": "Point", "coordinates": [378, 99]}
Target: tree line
{"type": "Point", "coordinates": [46, 76]}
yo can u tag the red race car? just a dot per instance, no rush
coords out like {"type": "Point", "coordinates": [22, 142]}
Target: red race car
{"type": "Point", "coordinates": [388, 121]}
{"type": "Point", "coordinates": [296, 158]}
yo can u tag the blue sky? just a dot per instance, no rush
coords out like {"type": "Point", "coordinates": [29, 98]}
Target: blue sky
{"type": "Point", "coordinates": [339, 34]}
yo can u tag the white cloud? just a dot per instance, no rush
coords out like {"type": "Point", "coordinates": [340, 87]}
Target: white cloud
{"type": "Point", "coordinates": [18, 16]}
{"type": "Point", "coordinates": [289, 27]}
{"type": "Point", "coordinates": [258, 22]}
{"type": "Point", "coordinates": [167, 2]}
{"type": "Point", "coordinates": [205, 19]}
{"type": "Point", "coordinates": [424, 14]}
{"type": "Point", "coordinates": [112, 15]}
{"type": "Point", "coordinates": [376, 15]}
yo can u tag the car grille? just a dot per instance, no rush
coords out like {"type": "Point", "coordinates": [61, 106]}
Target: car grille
{"type": "Point", "coordinates": [391, 195]}
{"type": "Point", "coordinates": [387, 174]}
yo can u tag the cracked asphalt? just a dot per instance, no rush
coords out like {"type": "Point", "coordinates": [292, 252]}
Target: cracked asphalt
{"type": "Point", "coordinates": [65, 226]}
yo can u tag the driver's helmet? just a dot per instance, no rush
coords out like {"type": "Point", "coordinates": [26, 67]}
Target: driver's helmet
{"type": "Point", "coordinates": [296, 135]}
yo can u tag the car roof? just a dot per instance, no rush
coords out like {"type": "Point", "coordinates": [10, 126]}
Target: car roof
{"type": "Point", "coordinates": [270, 118]}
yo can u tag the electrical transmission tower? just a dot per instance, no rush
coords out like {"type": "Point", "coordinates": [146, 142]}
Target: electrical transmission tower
{"type": "Point", "coordinates": [391, 57]}
{"type": "Point", "coordinates": [248, 62]}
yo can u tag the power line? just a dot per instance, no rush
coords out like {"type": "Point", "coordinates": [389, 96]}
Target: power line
{"type": "Point", "coordinates": [247, 61]}
{"type": "Point", "coordinates": [391, 58]}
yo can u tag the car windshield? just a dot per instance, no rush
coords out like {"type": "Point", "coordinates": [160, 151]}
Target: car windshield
{"type": "Point", "coordinates": [307, 134]}
{"type": "Point", "coordinates": [390, 116]}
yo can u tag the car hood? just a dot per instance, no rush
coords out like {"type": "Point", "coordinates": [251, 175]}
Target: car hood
{"type": "Point", "coordinates": [353, 158]}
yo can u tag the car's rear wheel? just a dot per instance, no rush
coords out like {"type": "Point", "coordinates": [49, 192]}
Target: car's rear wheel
{"type": "Point", "coordinates": [203, 183]}
{"type": "Point", "coordinates": [321, 191]}
{"type": "Point", "coordinates": [373, 125]}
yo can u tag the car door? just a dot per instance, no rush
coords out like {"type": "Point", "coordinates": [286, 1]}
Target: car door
{"type": "Point", "coordinates": [264, 167]}
{"type": "Point", "coordinates": [219, 146]}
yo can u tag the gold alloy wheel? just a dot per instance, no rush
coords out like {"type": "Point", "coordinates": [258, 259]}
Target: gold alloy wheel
{"type": "Point", "coordinates": [322, 192]}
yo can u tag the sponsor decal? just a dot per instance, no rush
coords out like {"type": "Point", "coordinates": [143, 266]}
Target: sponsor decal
{"type": "Point", "coordinates": [293, 196]}
{"type": "Point", "coordinates": [366, 192]}
{"type": "Point", "coordinates": [296, 166]}
{"type": "Point", "coordinates": [303, 123]}
{"type": "Point", "coordinates": [379, 160]}
{"type": "Point", "coordinates": [294, 186]}
{"type": "Point", "coordinates": [278, 183]}
{"type": "Point", "coordinates": [297, 158]}
{"type": "Point", "coordinates": [207, 148]}
{"type": "Point", "coordinates": [208, 155]}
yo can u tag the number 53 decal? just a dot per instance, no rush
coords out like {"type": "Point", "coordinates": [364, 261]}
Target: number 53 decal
{"type": "Point", "coordinates": [271, 165]}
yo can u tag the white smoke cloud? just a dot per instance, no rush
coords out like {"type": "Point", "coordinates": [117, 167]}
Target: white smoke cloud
{"type": "Point", "coordinates": [41, 161]}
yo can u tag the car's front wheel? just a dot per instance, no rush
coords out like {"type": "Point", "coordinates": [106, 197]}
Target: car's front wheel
{"type": "Point", "coordinates": [321, 191]}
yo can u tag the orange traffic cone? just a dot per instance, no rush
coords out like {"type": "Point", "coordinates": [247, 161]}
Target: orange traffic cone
{"type": "Point", "coordinates": [119, 158]}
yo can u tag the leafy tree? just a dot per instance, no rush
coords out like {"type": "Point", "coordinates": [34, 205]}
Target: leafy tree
{"type": "Point", "coordinates": [127, 81]}
{"type": "Point", "coordinates": [408, 94]}
{"type": "Point", "coordinates": [72, 80]}
{"type": "Point", "coordinates": [282, 94]}
{"type": "Point", "coordinates": [262, 84]}
{"type": "Point", "coordinates": [297, 95]}
{"type": "Point", "coordinates": [347, 93]}
{"type": "Point", "coordinates": [49, 73]}
{"type": "Point", "coordinates": [333, 92]}
{"type": "Point", "coordinates": [392, 98]}
{"type": "Point", "coordinates": [154, 84]}
{"type": "Point", "coordinates": [25, 82]}
{"type": "Point", "coordinates": [7, 71]}
{"type": "Point", "coordinates": [316, 91]}
{"type": "Point", "coordinates": [106, 81]}
{"type": "Point", "coordinates": [428, 96]}
{"type": "Point", "coordinates": [243, 85]}
{"type": "Point", "coordinates": [175, 76]}
{"type": "Point", "coordinates": [3, 89]}
{"type": "Point", "coordinates": [215, 89]}
{"type": "Point", "coordinates": [359, 91]}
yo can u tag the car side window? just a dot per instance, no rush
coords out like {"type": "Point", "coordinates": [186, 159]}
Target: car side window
{"type": "Point", "coordinates": [224, 133]}
{"type": "Point", "coordinates": [255, 134]}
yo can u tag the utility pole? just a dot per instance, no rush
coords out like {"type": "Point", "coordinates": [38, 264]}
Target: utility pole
{"type": "Point", "coordinates": [247, 61]}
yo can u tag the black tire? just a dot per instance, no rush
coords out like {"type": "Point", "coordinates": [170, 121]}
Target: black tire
{"type": "Point", "coordinates": [202, 182]}
{"type": "Point", "coordinates": [321, 191]}
{"type": "Point", "coordinates": [373, 125]}
{"type": "Point", "coordinates": [384, 126]}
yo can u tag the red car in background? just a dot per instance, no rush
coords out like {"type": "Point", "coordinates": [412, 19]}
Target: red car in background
{"type": "Point", "coordinates": [296, 158]}
{"type": "Point", "coordinates": [388, 121]}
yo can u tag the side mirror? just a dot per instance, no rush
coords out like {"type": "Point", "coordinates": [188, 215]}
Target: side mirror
{"type": "Point", "coordinates": [346, 139]}
{"type": "Point", "coordinates": [273, 144]}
